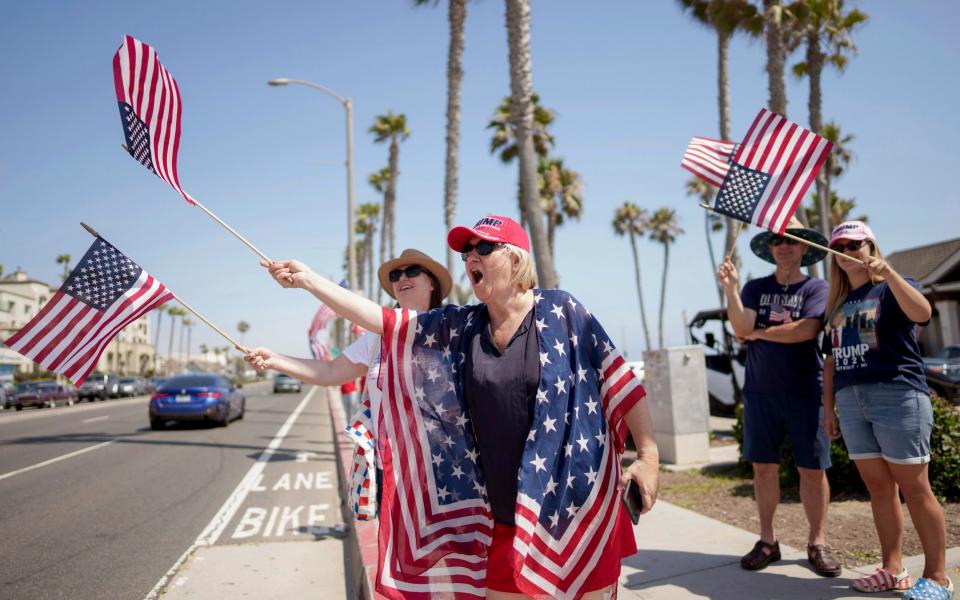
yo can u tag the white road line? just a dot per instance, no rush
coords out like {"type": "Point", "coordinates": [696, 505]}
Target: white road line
{"type": "Point", "coordinates": [53, 460]}
{"type": "Point", "coordinates": [215, 527]}
{"type": "Point", "coordinates": [94, 419]}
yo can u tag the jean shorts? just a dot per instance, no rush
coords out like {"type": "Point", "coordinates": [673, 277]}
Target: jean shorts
{"type": "Point", "coordinates": [769, 418]}
{"type": "Point", "coordinates": [892, 421]}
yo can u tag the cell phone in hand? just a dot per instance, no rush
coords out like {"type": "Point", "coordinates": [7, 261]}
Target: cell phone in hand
{"type": "Point", "coordinates": [633, 501]}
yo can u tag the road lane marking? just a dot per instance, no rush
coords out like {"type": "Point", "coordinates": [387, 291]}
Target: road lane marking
{"type": "Point", "coordinates": [94, 419]}
{"type": "Point", "coordinates": [53, 460]}
{"type": "Point", "coordinates": [215, 527]}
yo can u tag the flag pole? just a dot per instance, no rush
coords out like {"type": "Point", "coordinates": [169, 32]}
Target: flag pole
{"type": "Point", "coordinates": [736, 235]}
{"type": "Point", "coordinates": [236, 345]}
{"type": "Point", "coordinates": [799, 239]}
{"type": "Point", "coordinates": [225, 226]}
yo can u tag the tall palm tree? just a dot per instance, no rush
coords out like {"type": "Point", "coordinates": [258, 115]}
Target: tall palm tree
{"type": "Point", "coordinates": [216, 354]}
{"type": "Point", "coordinates": [561, 195]}
{"type": "Point", "coordinates": [156, 338]}
{"type": "Point", "coordinates": [380, 180]}
{"type": "Point", "coordinates": [632, 221]}
{"type": "Point", "coordinates": [390, 128]}
{"type": "Point", "coordinates": [504, 140]}
{"type": "Point", "coordinates": [368, 217]}
{"type": "Point", "coordinates": [204, 350]}
{"type": "Point", "coordinates": [188, 324]}
{"type": "Point", "coordinates": [64, 259]}
{"type": "Point", "coordinates": [664, 229]}
{"type": "Point", "coordinates": [243, 327]}
{"type": "Point", "coordinates": [521, 92]}
{"type": "Point", "coordinates": [840, 210]}
{"type": "Point", "coordinates": [726, 18]}
{"type": "Point", "coordinates": [456, 17]}
{"type": "Point", "coordinates": [174, 312]}
{"type": "Point", "coordinates": [704, 192]}
{"type": "Point", "coordinates": [825, 29]}
{"type": "Point", "coordinates": [773, 15]}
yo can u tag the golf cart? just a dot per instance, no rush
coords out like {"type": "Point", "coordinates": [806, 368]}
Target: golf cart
{"type": "Point", "coordinates": [724, 356]}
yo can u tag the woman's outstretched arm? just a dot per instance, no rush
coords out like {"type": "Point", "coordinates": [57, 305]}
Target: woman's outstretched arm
{"type": "Point", "coordinates": [319, 372]}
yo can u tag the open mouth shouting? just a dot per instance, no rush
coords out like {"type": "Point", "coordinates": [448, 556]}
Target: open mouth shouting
{"type": "Point", "coordinates": [476, 275]}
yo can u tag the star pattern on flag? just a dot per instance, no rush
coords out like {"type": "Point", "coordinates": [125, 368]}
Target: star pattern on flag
{"type": "Point", "coordinates": [101, 276]}
{"type": "Point", "coordinates": [138, 137]}
{"type": "Point", "coordinates": [741, 192]}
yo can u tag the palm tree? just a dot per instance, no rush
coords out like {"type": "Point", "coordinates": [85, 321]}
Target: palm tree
{"type": "Point", "coordinates": [561, 195]}
{"type": "Point", "coordinates": [632, 221]}
{"type": "Point", "coordinates": [368, 217]}
{"type": "Point", "coordinates": [664, 229]}
{"type": "Point", "coordinates": [188, 324]}
{"type": "Point", "coordinates": [380, 180]}
{"type": "Point", "coordinates": [174, 312]}
{"type": "Point", "coordinates": [226, 358]}
{"type": "Point", "coordinates": [204, 349]}
{"type": "Point", "coordinates": [243, 327]}
{"type": "Point", "coordinates": [521, 93]}
{"type": "Point", "coordinates": [156, 339]}
{"type": "Point", "coordinates": [840, 210]}
{"type": "Point", "coordinates": [704, 192]}
{"type": "Point", "coordinates": [216, 354]}
{"type": "Point", "coordinates": [776, 56]}
{"type": "Point", "coordinates": [390, 128]}
{"type": "Point", "coordinates": [456, 16]}
{"type": "Point", "coordinates": [726, 18]}
{"type": "Point", "coordinates": [64, 259]}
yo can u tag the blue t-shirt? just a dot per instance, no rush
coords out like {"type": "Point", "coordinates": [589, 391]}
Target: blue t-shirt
{"type": "Point", "coordinates": [873, 341]}
{"type": "Point", "coordinates": [774, 367]}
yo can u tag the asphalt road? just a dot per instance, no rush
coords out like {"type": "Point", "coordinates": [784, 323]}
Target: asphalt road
{"type": "Point", "coordinates": [110, 518]}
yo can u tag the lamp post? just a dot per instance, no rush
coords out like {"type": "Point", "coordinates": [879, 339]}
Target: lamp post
{"type": "Point", "coordinates": [348, 105]}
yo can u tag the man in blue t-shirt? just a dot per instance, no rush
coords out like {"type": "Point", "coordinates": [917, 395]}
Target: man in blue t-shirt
{"type": "Point", "coordinates": [780, 316]}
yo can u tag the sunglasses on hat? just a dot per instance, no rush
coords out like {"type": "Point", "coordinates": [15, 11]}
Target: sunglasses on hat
{"type": "Point", "coordinates": [850, 245]}
{"type": "Point", "coordinates": [483, 248]}
{"type": "Point", "coordinates": [778, 240]}
{"type": "Point", "coordinates": [411, 272]}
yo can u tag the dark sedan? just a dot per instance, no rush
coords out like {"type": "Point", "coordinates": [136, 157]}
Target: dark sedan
{"type": "Point", "coordinates": [43, 393]}
{"type": "Point", "coordinates": [943, 373]}
{"type": "Point", "coordinates": [196, 397]}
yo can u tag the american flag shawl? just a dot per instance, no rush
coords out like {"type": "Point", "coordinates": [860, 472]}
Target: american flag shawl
{"type": "Point", "coordinates": [104, 293]}
{"type": "Point", "coordinates": [434, 501]}
{"type": "Point", "coordinates": [708, 159]}
{"type": "Point", "coordinates": [150, 110]}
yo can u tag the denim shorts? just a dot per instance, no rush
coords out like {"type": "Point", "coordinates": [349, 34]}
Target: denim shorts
{"type": "Point", "coordinates": [769, 418]}
{"type": "Point", "coordinates": [892, 421]}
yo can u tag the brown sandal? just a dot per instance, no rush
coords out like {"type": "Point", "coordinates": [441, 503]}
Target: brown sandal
{"type": "Point", "coordinates": [762, 555]}
{"type": "Point", "coordinates": [821, 557]}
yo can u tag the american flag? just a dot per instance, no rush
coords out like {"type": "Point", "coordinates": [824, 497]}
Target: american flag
{"type": "Point", "coordinates": [104, 293]}
{"type": "Point", "coordinates": [708, 159]}
{"type": "Point", "coordinates": [149, 110]}
{"type": "Point", "coordinates": [434, 500]}
{"type": "Point", "coordinates": [771, 171]}
{"type": "Point", "coordinates": [779, 314]}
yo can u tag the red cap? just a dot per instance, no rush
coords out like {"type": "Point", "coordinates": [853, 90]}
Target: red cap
{"type": "Point", "coordinates": [493, 229]}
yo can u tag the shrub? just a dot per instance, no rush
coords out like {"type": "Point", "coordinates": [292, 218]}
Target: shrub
{"type": "Point", "coordinates": [844, 478]}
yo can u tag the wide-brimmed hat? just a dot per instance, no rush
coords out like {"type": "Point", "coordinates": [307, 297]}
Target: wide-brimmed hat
{"type": "Point", "coordinates": [492, 228]}
{"type": "Point", "coordinates": [415, 257]}
{"type": "Point", "coordinates": [760, 244]}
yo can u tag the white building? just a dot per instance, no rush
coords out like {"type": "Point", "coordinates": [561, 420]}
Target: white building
{"type": "Point", "coordinates": [21, 298]}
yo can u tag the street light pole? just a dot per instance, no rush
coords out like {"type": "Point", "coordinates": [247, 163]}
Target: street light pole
{"type": "Point", "coordinates": [348, 106]}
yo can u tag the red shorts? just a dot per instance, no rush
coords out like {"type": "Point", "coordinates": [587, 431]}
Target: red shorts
{"type": "Point", "coordinates": [500, 572]}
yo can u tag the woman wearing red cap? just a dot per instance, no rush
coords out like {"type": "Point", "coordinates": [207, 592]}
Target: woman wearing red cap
{"type": "Point", "coordinates": [873, 376]}
{"type": "Point", "coordinates": [504, 424]}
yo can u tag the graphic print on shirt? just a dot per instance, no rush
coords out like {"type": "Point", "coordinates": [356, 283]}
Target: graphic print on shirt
{"type": "Point", "coordinates": [777, 309]}
{"type": "Point", "coordinates": [853, 333]}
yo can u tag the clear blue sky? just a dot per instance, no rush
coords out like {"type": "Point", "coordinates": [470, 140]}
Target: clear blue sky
{"type": "Point", "coordinates": [630, 84]}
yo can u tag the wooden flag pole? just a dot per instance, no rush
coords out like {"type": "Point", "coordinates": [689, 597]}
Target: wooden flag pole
{"type": "Point", "coordinates": [185, 305]}
{"type": "Point", "coordinates": [225, 226]}
{"type": "Point", "coordinates": [733, 246]}
{"type": "Point", "coordinates": [801, 240]}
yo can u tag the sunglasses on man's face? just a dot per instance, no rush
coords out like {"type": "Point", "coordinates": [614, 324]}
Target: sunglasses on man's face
{"type": "Point", "coordinates": [850, 245]}
{"type": "Point", "coordinates": [411, 272]}
{"type": "Point", "coordinates": [483, 248]}
{"type": "Point", "coordinates": [777, 240]}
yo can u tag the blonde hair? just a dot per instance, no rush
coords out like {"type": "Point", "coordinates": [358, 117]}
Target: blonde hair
{"type": "Point", "coordinates": [526, 276]}
{"type": "Point", "coordinates": [840, 283]}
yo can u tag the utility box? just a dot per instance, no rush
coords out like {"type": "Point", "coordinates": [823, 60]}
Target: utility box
{"type": "Point", "coordinates": [676, 384]}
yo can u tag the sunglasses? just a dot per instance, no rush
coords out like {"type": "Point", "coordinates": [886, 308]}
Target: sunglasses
{"type": "Point", "coordinates": [411, 272]}
{"type": "Point", "coordinates": [850, 245]}
{"type": "Point", "coordinates": [778, 240]}
{"type": "Point", "coordinates": [483, 248]}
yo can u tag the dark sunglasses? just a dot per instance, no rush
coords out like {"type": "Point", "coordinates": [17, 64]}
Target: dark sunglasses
{"type": "Point", "coordinates": [779, 239]}
{"type": "Point", "coordinates": [483, 248]}
{"type": "Point", "coordinates": [411, 272]}
{"type": "Point", "coordinates": [850, 245]}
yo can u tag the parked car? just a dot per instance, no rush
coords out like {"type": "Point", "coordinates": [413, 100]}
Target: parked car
{"type": "Point", "coordinates": [196, 397]}
{"type": "Point", "coordinates": [285, 383]}
{"type": "Point", "coordinates": [725, 360]}
{"type": "Point", "coordinates": [132, 386]}
{"type": "Point", "coordinates": [42, 394]}
{"type": "Point", "coordinates": [6, 397]}
{"type": "Point", "coordinates": [99, 386]}
{"type": "Point", "coordinates": [943, 373]}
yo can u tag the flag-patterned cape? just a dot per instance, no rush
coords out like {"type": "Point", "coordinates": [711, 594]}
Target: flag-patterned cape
{"type": "Point", "coordinates": [105, 292]}
{"type": "Point", "coordinates": [434, 501]}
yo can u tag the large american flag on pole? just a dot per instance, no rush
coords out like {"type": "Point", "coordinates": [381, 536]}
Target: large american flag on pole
{"type": "Point", "coordinates": [105, 292]}
{"type": "Point", "coordinates": [150, 110]}
{"type": "Point", "coordinates": [769, 172]}
{"type": "Point", "coordinates": [435, 523]}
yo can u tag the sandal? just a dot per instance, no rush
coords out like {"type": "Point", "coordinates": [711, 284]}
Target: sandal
{"type": "Point", "coordinates": [928, 590]}
{"type": "Point", "coordinates": [882, 581]}
{"type": "Point", "coordinates": [758, 558]}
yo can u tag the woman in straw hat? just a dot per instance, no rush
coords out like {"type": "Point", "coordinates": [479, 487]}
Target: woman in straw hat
{"type": "Point", "coordinates": [506, 422]}
{"type": "Point", "coordinates": [874, 377]}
